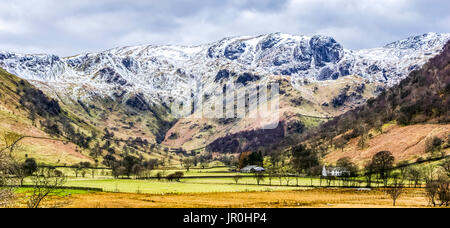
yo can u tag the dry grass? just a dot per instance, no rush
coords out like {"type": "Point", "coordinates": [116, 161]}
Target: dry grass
{"type": "Point", "coordinates": [325, 198]}
{"type": "Point", "coordinates": [405, 143]}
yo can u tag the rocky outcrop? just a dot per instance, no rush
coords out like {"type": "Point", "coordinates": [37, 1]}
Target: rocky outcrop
{"type": "Point", "coordinates": [145, 77]}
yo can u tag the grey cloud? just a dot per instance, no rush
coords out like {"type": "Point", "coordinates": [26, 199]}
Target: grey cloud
{"type": "Point", "coordinates": [73, 26]}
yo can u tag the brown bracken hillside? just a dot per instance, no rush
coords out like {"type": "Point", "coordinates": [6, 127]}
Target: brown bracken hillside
{"type": "Point", "coordinates": [400, 120]}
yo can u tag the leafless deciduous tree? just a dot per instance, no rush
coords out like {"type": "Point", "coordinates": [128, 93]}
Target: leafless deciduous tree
{"type": "Point", "coordinates": [259, 176]}
{"type": "Point", "coordinates": [237, 178]}
{"type": "Point", "coordinates": [446, 166]}
{"type": "Point", "coordinates": [47, 182]}
{"type": "Point", "coordinates": [7, 195]}
{"type": "Point", "coordinates": [438, 191]}
{"type": "Point", "coordinates": [368, 173]}
{"type": "Point", "coordinates": [8, 143]}
{"type": "Point", "coordinates": [431, 192]}
{"type": "Point", "coordinates": [414, 175]}
{"type": "Point", "coordinates": [396, 189]}
{"type": "Point", "coordinates": [188, 163]}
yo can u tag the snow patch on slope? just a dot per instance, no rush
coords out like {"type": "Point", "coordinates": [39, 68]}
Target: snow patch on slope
{"type": "Point", "coordinates": [161, 72]}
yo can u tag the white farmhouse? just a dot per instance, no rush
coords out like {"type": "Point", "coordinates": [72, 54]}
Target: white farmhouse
{"type": "Point", "coordinates": [334, 172]}
{"type": "Point", "coordinates": [252, 169]}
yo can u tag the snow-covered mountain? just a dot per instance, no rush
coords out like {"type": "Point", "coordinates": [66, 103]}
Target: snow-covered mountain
{"type": "Point", "coordinates": [160, 72]}
{"type": "Point", "coordinates": [318, 78]}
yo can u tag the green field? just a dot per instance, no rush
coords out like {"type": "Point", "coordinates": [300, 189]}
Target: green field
{"type": "Point", "coordinates": [62, 192]}
{"type": "Point", "coordinates": [209, 180]}
{"type": "Point", "coordinates": [194, 185]}
{"type": "Point", "coordinates": [164, 187]}
{"type": "Point", "coordinates": [196, 172]}
{"type": "Point", "coordinates": [217, 179]}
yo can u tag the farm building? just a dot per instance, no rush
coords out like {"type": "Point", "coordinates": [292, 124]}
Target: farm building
{"type": "Point", "coordinates": [252, 169]}
{"type": "Point", "coordinates": [334, 172]}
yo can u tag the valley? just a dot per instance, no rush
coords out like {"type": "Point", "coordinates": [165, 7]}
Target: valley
{"type": "Point", "coordinates": [102, 124]}
{"type": "Point", "coordinates": [131, 91]}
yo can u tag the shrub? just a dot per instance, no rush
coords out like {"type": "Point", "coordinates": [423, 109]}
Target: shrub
{"type": "Point", "coordinates": [433, 144]}
{"type": "Point", "coordinates": [175, 176]}
{"type": "Point", "coordinates": [159, 176]}
{"type": "Point", "coordinates": [403, 119]}
{"type": "Point", "coordinates": [119, 171]}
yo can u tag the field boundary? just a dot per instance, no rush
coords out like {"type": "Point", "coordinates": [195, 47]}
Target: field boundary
{"type": "Point", "coordinates": [62, 187]}
{"type": "Point", "coordinates": [72, 167]}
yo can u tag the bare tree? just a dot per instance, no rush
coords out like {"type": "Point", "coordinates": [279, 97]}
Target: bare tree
{"type": "Point", "coordinates": [446, 166]}
{"type": "Point", "coordinates": [24, 170]}
{"type": "Point", "coordinates": [438, 191]}
{"type": "Point", "coordinates": [444, 191]}
{"type": "Point", "coordinates": [285, 173]}
{"type": "Point", "coordinates": [432, 189]}
{"type": "Point", "coordinates": [7, 162]}
{"type": "Point", "coordinates": [350, 168]}
{"type": "Point", "coordinates": [76, 169]}
{"type": "Point", "coordinates": [433, 146]}
{"type": "Point", "coordinates": [7, 195]}
{"type": "Point", "coordinates": [362, 142]}
{"type": "Point", "coordinates": [47, 182]}
{"type": "Point", "coordinates": [270, 166]}
{"type": "Point", "coordinates": [368, 173]}
{"type": "Point", "coordinates": [340, 144]}
{"type": "Point", "coordinates": [414, 175]}
{"type": "Point", "coordinates": [237, 178]}
{"type": "Point", "coordinates": [188, 163]}
{"type": "Point", "coordinates": [304, 159]}
{"type": "Point", "coordinates": [396, 188]}
{"type": "Point", "coordinates": [429, 172]}
{"type": "Point", "coordinates": [259, 176]}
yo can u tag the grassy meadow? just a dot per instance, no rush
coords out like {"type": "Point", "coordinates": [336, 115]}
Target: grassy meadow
{"type": "Point", "coordinates": [211, 188]}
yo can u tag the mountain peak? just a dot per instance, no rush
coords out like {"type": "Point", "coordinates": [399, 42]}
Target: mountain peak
{"type": "Point", "coordinates": [142, 77]}
{"type": "Point", "coordinates": [425, 40]}
{"type": "Point", "coordinates": [156, 70]}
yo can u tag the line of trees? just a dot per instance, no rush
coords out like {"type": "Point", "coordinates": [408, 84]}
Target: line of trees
{"type": "Point", "coordinates": [131, 166]}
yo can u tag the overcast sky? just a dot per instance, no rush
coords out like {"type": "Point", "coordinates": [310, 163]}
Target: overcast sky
{"type": "Point", "coordinates": [77, 26]}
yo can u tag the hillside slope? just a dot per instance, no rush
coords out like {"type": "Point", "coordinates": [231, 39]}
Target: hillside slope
{"type": "Point", "coordinates": [15, 116]}
{"type": "Point", "coordinates": [416, 110]}
{"type": "Point", "coordinates": [406, 143]}
{"type": "Point", "coordinates": [129, 90]}
{"type": "Point", "coordinates": [57, 132]}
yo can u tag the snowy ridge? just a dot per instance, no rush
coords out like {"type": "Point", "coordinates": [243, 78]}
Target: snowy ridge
{"type": "Point", "coordinates": [161, 72]}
